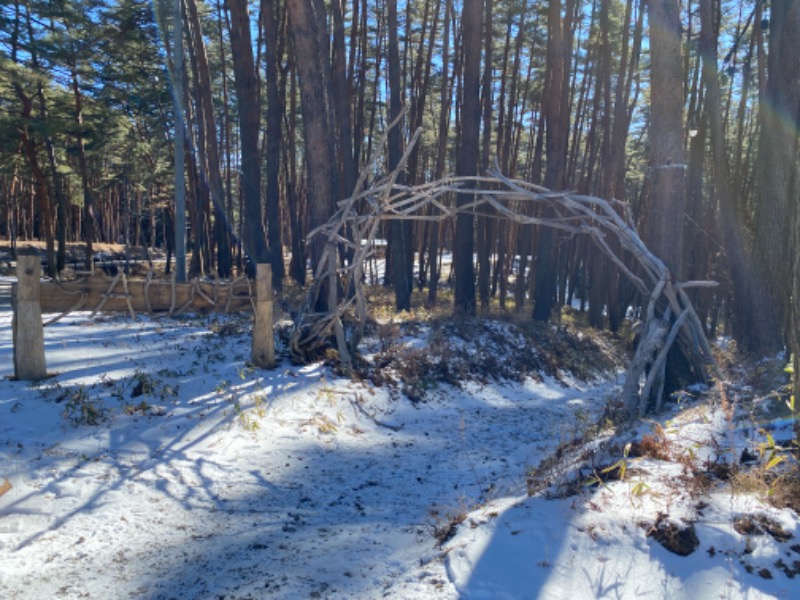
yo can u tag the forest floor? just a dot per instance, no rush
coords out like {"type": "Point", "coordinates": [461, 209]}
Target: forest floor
{"type": "Point", "coordinates": [478, 458]}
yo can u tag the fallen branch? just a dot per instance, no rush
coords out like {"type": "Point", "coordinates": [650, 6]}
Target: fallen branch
{"type": "Point", "coordinates": [356, 402]}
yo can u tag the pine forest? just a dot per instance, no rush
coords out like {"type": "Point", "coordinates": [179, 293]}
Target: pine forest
{"type": "Point", "coordinates": [281, 106]}
{"type": "Point", "coordinates": [437, 195]}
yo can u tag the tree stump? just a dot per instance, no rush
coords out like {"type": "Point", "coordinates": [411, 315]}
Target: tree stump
{"type": "Point", "coordinates": [28, 332]}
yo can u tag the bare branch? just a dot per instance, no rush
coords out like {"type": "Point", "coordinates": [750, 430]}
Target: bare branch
{"type": "Point", "coordinates": [669, 315]}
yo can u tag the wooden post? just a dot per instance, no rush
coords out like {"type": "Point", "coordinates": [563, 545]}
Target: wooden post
{"type": "Point", "coordinates": [28, 332]}
{"type": "Point", "coordinates": [263, 354]}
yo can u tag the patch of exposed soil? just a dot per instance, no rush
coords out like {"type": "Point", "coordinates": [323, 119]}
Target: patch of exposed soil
{"type": "Point", "coordinates": [760, 525]}
{"type": "Point", "coordinates": [678, 540]}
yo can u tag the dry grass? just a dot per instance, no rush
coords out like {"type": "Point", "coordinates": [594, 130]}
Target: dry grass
{"type": "Point", "coordinates": [497, 345]}
{"type": "Point", "coordinates": [780, 489]}
{"type": "Point", "coordinates": [654, 445]}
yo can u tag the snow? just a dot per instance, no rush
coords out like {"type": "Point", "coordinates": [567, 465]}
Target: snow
{"type": "Point", "coordinates": [555, 549]}
{"type": "Point", "coordinates": [204, 478]}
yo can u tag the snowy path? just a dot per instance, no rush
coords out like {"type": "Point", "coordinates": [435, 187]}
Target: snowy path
{"type": "Point", "coordinates": [205, 479]}
{"type": "Point", "coordinates": [187, 498]}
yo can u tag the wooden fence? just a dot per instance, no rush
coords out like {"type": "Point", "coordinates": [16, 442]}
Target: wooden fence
{"type": "Point", "coordinates": [101, 293]}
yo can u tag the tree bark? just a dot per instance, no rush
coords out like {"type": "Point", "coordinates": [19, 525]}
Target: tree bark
{"type": "Point", "coordinates": [40, 183]}
{"type": "Point", "coordinates": [249, 126]}
{"type": "Point", "coordinates": [441, 150]}
{"type": "Point", "coordinates": [400, 243]}
{"type": "Point", "coordinates": [319, 131]}
{"type": "Point", "coordinates": [485, 224]}
{"type": "Point", "coordinates": [667, 163]}
{"type": "Point", "coordinates": [342, 96]}
{"type": "Point", "coordinates": [667, 156]}
{"type": "Point", "coordinates": [88, 197]}
{"type": "Point", "coordinates": [206, 125]}
{"type": "Point", "coordinates": [776, 168]}
{"type": "Point", "coordinates": [295, 199]}
{"type": "Point", "coordinates": [467, 157]}
{"type": "Point", "coordinates": [751, 324]}
{"type": "Point", "coordinates": [179, 222]}
{"type": "Point", "coordinates": [275, 110]}
{"type": "Point", "coordinates": [557, 132]}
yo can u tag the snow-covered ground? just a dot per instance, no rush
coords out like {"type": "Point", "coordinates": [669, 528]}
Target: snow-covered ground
{"type": "Point", "coordinates": [156, 464]}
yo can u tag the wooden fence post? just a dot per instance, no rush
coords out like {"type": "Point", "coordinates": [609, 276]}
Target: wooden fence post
{"type": "Point", "coordinates": [27, 329]}
{"type": "Point", "coordinates": [263, 354]}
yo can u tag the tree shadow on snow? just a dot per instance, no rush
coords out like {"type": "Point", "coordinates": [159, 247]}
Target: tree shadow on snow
{"type": "Point", "coordinates": [583, 547]}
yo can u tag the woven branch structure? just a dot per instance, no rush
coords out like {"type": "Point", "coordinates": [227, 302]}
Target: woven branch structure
{"type": "Point", "coordinates": [669, 316]}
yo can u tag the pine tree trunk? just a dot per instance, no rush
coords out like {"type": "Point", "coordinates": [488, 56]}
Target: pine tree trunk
{"type": "Point", "coordinates": [275, 110]}
{"type": "Point", "coordinates": [313, 65]}
{"type": "Point", "coordinates": [88, 197]}
{"type": "Point", "coordinates": [667, 157]}
{"type": "Point", "coordinates": [557, 129]}
{"type": "Point", "coordinates": [668, 161]}
{"type": "Point", "coordinates": [748, 302]}
{"type": "Point", "coordinates": [441, 151]}
{"type": "Point", "coordinates": [776, 168]}
{"type": "Point", "coordinates": [467, 156]}
{"type": "Point", "coordinates": [249, 126]}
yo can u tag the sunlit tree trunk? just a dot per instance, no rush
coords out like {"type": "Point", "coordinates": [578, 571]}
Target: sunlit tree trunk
{"type": "Point", "coordinates": [557, 133]}
{"type": "Point", "coordinates": [667, 156]}
{"type": "Point", "coordinates": [667, 159]}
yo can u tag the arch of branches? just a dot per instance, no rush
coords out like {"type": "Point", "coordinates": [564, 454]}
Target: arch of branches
{"type": "Point", "coordinates": [669, 316]}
